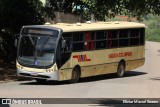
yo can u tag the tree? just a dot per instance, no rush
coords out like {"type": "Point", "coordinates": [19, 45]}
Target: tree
{"type": "Point", "coordinates": [67, 6]}
{"type": "Point", "coordinates": [13, 15]}
{"type": "Point", "coordinates": [16, 13]}
{"type": "Point", "coordinates": [136, 8]}
{"type": "Point", "coordinates": [141, 8]}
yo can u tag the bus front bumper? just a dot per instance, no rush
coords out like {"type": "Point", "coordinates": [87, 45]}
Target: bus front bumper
{"type": "Point", "coordinates": [40, 75]}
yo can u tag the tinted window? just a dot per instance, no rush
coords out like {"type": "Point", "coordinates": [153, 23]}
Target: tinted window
{"type": "Point", "coordinates": [100, 44]}
{"type": "Point", "coordinates": [112, 43]}
{"type": "Point", "coordinates": [112, 34]}
{"type": "Point", "coordinates": [134, 41]}
{"type": "Point", "coordinates": [89, 40]}
{"type": "Point", "coordinates": [142, 31]}
{"type": "Point", "coordinates": [134, 33]}
{"type": "Point", "coordinates": [100, 35]}
{"type": "Point", "coordinates": [78, 46]}
{"type": "Point", "coordinates": [78, 43]}
{"type": "Point", "coordinates": [112, 40]}
{"type": "Point", "coordinates": [123, 33]}
{"type": "Point", "coordinates": [100, 40]}
{"type": "Point", "coordinates": [77, 37]}
{"type": "Point", "coordinates": [123, 42]}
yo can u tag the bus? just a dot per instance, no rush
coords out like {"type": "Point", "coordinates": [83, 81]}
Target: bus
{"type": "Point", "coordinates": [72, 51]}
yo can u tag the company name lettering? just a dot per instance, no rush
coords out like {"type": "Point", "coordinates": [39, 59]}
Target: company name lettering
{"type": "Point", "coordinates": [123, 54]}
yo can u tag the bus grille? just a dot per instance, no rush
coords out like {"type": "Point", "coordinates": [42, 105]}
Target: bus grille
{"type": "Point", "coordinates": [40, 76]}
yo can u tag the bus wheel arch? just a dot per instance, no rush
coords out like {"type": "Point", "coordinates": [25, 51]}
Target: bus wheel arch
{"type": "Point", "coordinates": [76, 74]}
{"type": "Point", "coordinates": [121, 68]}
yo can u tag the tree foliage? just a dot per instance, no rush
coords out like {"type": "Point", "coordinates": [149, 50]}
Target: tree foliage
{"type": "Point", "coordinates": [13, 15]}
{"type": "Point", "coordinates": [107, 8]}
{"type": "Point", "coordinates": [16, 13]}
{"type": "Point", "coordinates": [102, 9]}
{"type": "Point", "coordinates": [67, 6]}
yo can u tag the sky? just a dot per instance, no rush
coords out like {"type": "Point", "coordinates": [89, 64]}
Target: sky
{"type": "Point", "coordinates": [43, 1]}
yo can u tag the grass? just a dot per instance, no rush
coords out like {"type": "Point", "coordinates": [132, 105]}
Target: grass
{"type": "Point", "coordinates": [153, 35]}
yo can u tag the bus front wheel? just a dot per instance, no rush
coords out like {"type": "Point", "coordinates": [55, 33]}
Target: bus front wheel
{"type": "Point", "coordinates": [75, 75]}
{"type": "Point", "coordinates": [121, 69]}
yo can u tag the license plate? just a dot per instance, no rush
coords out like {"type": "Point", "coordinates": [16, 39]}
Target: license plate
{"type": "Point", "coordinates": [34, 74]}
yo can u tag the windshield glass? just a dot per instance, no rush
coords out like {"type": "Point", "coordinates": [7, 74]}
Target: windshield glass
{"type": "Point", "coordinates": [37, 50]}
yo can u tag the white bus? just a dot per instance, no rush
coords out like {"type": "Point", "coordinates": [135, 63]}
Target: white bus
{"type": "Point", "coordinates": [72, 51]}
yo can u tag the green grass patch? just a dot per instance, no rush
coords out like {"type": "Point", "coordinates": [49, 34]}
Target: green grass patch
{"type": "Point", "coordinates": [153, 35]}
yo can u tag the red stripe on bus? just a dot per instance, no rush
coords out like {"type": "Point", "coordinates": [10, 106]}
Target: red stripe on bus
{"type": "Point", "coordinates": [85, 58]}
{"type": "Point", "coordinates": [82, 58]}
{"type": "Point", "coordinates": [79, 58]}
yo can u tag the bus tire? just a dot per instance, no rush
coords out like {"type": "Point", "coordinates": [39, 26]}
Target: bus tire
{"type": "Point", "coordinates": [121, 69]}
{"type": "Point", "coordinates": [41, 80]}
{"type": "Point", "coordinates": [75, 76]}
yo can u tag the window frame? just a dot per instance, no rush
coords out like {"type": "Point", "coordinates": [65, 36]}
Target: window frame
{"type": "Point", "coordinates": [115, 40]}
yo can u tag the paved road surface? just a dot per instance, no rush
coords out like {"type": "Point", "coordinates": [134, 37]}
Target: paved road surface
{"type": "Point", "coordinates": [143, 82]}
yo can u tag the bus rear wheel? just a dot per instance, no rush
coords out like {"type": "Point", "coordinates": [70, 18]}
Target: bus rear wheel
{"type": "Point", "coordinates": [41, 80]}
{"type": "Point", "coordinates": [75, 75]}
{"type": "Point", "coordinates": [121, 70]}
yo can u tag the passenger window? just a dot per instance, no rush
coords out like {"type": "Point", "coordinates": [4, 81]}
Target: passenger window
{"type": "Point", "coordinates": [101, 44]}
{"type": "Point", "coordinates": [112, 40]}
{"type": "Point", "coordinates": [68, 46]}
{"type": "Point", "coordinates": [112, 43]}
{"type": "Point", "coordinates": [134, 33]}
{"type": "Point", "coordinates": [77, 37]}
{"type": "Point", "coordinates": [142, 36]}
{"type": "Point", "coordinates": [100, 35]}
{"type": "Point", "coordinates": [112, 34]}
{"type": "Point", "coordinates": [100, 40]}
{"type": "Point", "coordinates": [123, 33]}
{"type": "Point", "coordinates": [78, 43]}
{"type": "Point", "coordinates": [134, 41]}
{"type": "Point", "coordinates": [78, 46]}
{"type": "Point", "coordinates": [89, 40]}
{"type": "Point", "coordinates": [123, 42]}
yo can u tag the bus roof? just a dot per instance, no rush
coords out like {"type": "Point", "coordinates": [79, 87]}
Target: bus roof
{"type": "Point", "coordinates": [76, 27]}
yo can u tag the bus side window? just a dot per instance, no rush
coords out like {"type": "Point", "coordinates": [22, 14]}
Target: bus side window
{"type": "Point", "coordinates": [134, 37]}
{"type": "Point", "coordinates": [78, 42]}
{"type": "Point", "coordinates": [109, 39]}
{"type": "Point", "coordinates": [100, 40]}
{"type": "Point", "coordinates": [91, 43]}
{"type": "Point", "coordinates": [68, 46]}
{"type": "Point", "coordinates": [142, 32]}
{"type": "Point", "coordinates": [89, 40]}
{"type": "Point", "coordinates": [112, 39]}
{"type": "Point", "coordinates": [123, 37]}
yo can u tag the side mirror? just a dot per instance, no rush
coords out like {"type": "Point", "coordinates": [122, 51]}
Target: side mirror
{"type": "Point", "coordinates": [63, 43]}
{"type": "Point", "coordinates": [16, 43]}
{"type": "Point", "coordinates": [16, 40]}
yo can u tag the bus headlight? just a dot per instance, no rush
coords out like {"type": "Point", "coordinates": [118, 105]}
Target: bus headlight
{"type": "Point", "coordinates": [54, 68]}
{"type": "Point", "coordinates": [19, 67]}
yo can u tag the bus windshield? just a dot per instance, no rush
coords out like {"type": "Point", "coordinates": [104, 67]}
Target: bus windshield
{"type": "Point", "coordinates": [37, 50]}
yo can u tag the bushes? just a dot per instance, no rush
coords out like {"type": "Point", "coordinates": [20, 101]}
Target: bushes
{"type": "Point", "coordinates": [153, 30]}
{"type": "Point", "coordinates": [7, 49]}
{"type": "Point", "coordinates": [153, 35]}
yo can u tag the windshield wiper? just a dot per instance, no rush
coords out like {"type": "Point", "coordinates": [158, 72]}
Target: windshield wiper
{"type": "Point", "coordinates": [42, 46]}
{"type": "Point", "coordinates": [44, 43]}
{"type": "Point", "coordinates": [32, 40]}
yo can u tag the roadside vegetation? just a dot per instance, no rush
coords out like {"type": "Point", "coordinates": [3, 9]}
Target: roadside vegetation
{"type": "Point", "coordinates": [153, 30]}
